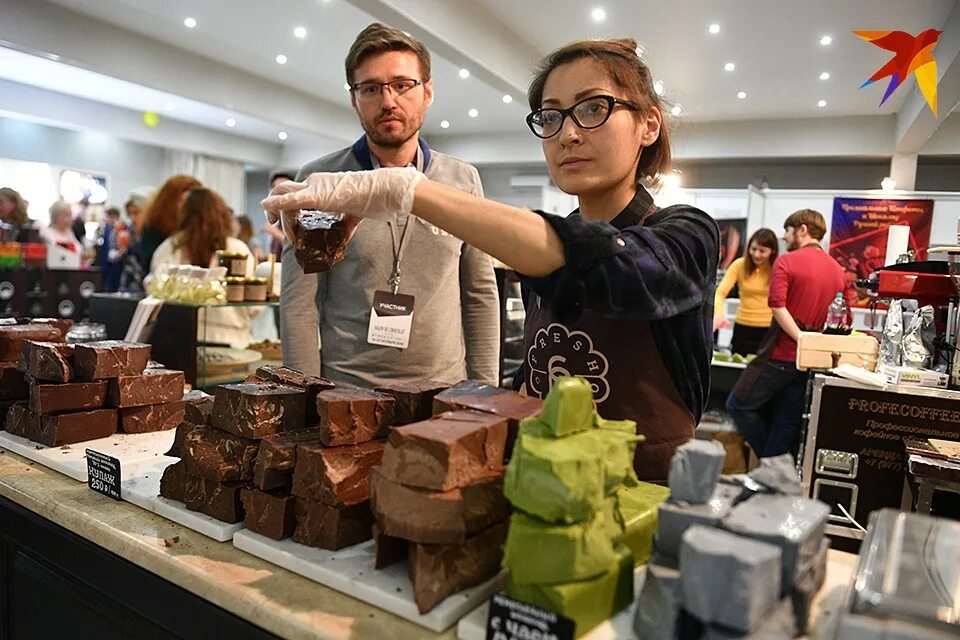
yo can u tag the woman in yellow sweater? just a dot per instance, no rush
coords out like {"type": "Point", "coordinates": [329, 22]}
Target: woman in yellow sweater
{"type": "Point", "coordinates": [751, 274]}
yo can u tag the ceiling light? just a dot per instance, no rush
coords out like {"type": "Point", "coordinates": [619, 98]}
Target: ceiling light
{"type": "Point", "coordinates": [282, 135]}
{"type": "Point", "coordinates": [189, 23]}
{"type": "Point", "coordinates": [281, 59]}
{"type": "Point", "coordinates": [53, 57]}
{"type": "Point", "coordinates": [821, 103]}
{"type": "Point", "coordinates": [824, 76]}
{"type": "Point", "coordinates": [742, 95]}
{"type": "Point", "coordinates": [825, 40]}
{"type": "Point", "coordinates": [169, 106]}
{"type": "Point", "coordinates": [473, 113]}
{"type": "Point", "coordinates": [676, 109]}
{"type": "Point", "coordinates": [346, 86]}
{"type": "Point", "coordinates": [658, 87]}
{"type": "Point", "coordinates": [729, 66]}
{"type": "Point", "coordinates": [231, 123]}
{"type": "Point", "coordinates": [464, 73]}
{"type": "Point", "coordinates": [507, 98]}
{"type": "Point", "coordinates": [444, 124]}
{"type": "Point", "coordinates": [300, 32]}
{"type": "Point", "coordinates": [598, 14]}
{"type": "Point", "coordinates": [888, 184]}
{"type": "Point", "coordinates": [714, 29]}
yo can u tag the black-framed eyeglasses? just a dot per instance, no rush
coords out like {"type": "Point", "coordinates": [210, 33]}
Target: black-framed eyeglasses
{"type": "Point", "coordinates": [589, 113]}
{"type": "Point", "coordinates": [370, 91]}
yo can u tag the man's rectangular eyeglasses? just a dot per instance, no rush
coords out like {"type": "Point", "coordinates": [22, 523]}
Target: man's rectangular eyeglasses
{"type": "Point", "coordinates": [589, 113]}
{"type": "Point", "coordinates": [370, 91]}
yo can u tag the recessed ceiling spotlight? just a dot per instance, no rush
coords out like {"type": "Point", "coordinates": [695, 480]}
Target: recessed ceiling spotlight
{"type": "Point", "coordinates": [825, 40]}
{"type": "Point", "coordinates": [473, 113]}
{"type": "Point", "coordinates": [189, 23]}
{"type": "Point", "coordinates": [714, 29]}
{"type": "Point", "coordinates": [742, 95]}
{"type": "Point", "coordinates": [821, 103]}
{"type": "Point", "coordinates": [658, 87]}
{"type": "Point", "coordinates": [281, 59]}
{"type": "Point", "coordinates": [729, 66]}
{"type": "Point", "coordinates": [598, 14]}
{"type": "Point", "coordinates": [282, 135]}
{"type": "Point", "coordinates": [54, 57]}
{"type": "Point", "coordinates": [444, 124]}
{"type": "Point", "coordinates": [464, 73]}
{"type": "Point", "coordinates": [676, 110]}
{"type": "Point", "coordinates": [300, 32]}
{"type": "Point", "coordinates": [824, 76]}
{"type": "Point", "coordinates": [346, 86]}
{"type": "Point", "coordinates": [231, 123]}
{"type": "Point", "coordinates": [169, 106]}
{"type": "Point", "coordinates": [507, 98]}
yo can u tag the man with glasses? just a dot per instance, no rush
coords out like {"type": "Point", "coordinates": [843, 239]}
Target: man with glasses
{"type": "Point", "coordinates": [454, 332]}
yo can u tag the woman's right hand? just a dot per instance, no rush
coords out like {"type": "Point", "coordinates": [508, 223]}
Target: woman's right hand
{"type": "Point", "coordinates": [720, 322]}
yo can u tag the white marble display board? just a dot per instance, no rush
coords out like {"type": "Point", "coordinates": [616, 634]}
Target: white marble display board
{"type": "Point", "coordinates": [133, 450]}
{"type": "Point", "coordinates": [143, 490]}
{"type": "Point", "coordinates": [351, 571]}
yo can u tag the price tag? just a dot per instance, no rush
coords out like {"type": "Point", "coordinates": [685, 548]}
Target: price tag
{"type": "Point", "coordinates": [513, 620]}
{"type": "Point", "coordinates": [103, 474]}
{"type": "Point", "coordinates": [390, 319]}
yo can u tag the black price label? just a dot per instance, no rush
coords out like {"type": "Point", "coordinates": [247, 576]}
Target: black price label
{"type": "Point", "coordinates": [513, 620]}
{"type": "Point", "coordinates": [103, 474]}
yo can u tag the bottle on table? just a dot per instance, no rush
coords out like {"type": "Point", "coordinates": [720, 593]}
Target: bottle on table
{"type": "Point", "coordinates": [837, 316]}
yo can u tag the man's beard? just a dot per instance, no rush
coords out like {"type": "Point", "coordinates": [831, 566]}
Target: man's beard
{"type": "Point", "coordinates": [392, 140]}
{"type": "Point", "coordinates": [793, 246]}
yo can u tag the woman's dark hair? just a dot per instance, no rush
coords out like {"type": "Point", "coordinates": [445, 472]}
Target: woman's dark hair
{"type": "Point", "coordinates": [204, 227]}
{"type": "Point", "coordinates": [619, 59]}
{"type": "Point", "coordinates": [765, 238]}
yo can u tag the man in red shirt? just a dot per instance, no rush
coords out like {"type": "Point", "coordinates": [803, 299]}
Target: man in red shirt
{"type": "Point", "coordinates": [803, 283]}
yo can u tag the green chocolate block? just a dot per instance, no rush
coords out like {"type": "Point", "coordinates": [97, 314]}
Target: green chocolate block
{"type": "Point", "coordinates": [587, 602]}
{"type": "Point", "coordinates": [637, 510]}
{"type": "Point", "coordinates": [626, 426]}
{"type": "Point", "coordinates": [536, 427]}
{"type": "Point", "coordinates": [569, 407]}
{"type": "Point", "coordinates": [544, 553]}
{"type": "Point", "coordinates": [616, 450]}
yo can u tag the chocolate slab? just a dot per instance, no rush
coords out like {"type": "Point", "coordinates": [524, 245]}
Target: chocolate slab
{"type": "Point", "coordinates": [172, 482]}
{"type": "Point", "coordinates": [152, 417]}
{"type": "Point", "coordinates": [20, 421]}
{"type": "Point", "coordinates": [72, 396]}
{"type": "Point", "coordinates": [450, 450]}
{"type": "Point", "coordinates": [49, 361]}
{"type": "Point", "coordinates": [198, 406]}
{"type": "Point", "coordinates": [70, 428]}
{"type": "Point", "coordinates": [176, 449]}
{"type": "Point", "coordinates": [111, 358]}
{"type": "Point", "coordinates": [320, 240]}
{"type": "Point", "coordinates": [320, 525]}
{"type": "Point", "coordinates": [440, 570]}
{"type": "Point", "coordinates": [312, 385]}
{"type": "Point", "coordinates": [351, 416]}
{"type": "Point", "coordinates": [216, 455]}
{"type": "Point", "coordinates": [387, 550]}
{"type": "Point", "coordinates": [220, 500]}
{"type": "Point", "coordinates": [258, 409]}
{"type": "Point", "coordinates": [13, 383]}
{"type": "Point", "coordinates": [413, 399]}
{"type": "Point", "coordinates": [12, 337]}
{"type": "Point", "coordinates": [270, 514]}
{"type": "Point", "coordinates": [336, 475]}
{"type": "Point", "coordinates": [62, 324]}
{"type": "Point", "coordinates": [434, 517]}
{"type": "Point", "coordinates": [153, 386]}
{"type": "Point", "coordinates": [5, 408]}
{"type": "Point", "coordinates": [277, 457]}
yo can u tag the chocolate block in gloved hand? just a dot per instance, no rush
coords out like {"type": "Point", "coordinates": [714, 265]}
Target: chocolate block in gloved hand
{"type": "Point", "coordinates": [21, 421]}
{"type": "Point", "coordinates": [48, 361]}
{"type": "Point", "coordinates": [198, 406]}
{"type": "Point", "coordinates": [13, 383]}
{"type": "Point", "coordinates": [172, 482]}
{"type": "Point", "coordinates": [153, 386]}
{"type": "Point", "coordinates": [336, 475]}
{"type": "Point", "coordinates": [387, 550]}
{"type": "Point", "coordinates": [413, 399]}
{"type": "Point", "coordinates": [152, 417]}
{"type": "Point", "coordinates": [270, 514]}
{"type": "Point", "coordinates": [352, 416]}
{"type": "Point", "coordinates": [216, 455]}
{"type": "Point", "coordinates": [110, 359]}
{"type": "Point", "coordinates": [70, 428]}
{"type": "Point", "coordinates": [320, 525]}
{"type": "Point", "coordinates": [277, 457]}
{"type": "Point", "coordinates": [312, 385]}
{"type": "Point", "coordinates": [72, 396]}
{"type": "Point", "coordinates": [220, 500]}
{"type": "Point", "coordinates": [440, 570]}
{"type": "Point", "coordinates": [258, 409]}
{"type": "Point", "coordinates": [12, 337]}
{"type": "Point", "coordinates": [320, 240]}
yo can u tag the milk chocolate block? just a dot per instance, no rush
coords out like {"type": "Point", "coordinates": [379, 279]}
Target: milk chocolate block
{"type": "Point", "coordinates": [413, 399]}
{"type": "Point", "coordinates": [320, 525]}
{"type": "Point", "coordinates": [62, 324]}
{"type": "Point", "coordinates": [176, 449]}
{"type": "Point", "coordinates": [21, 421]}
{"type": "Point", "coordinates": [351, 416]}
{"type": "Point", "coordinates": [49, 361]}
{"type": "Point", "coordinates": [338, 476]}
{"type": "Point", "coordinates": [674, 518]}
{"type": "Point", "coordinates": [153, 386]}
{"type": "Point", "coordinates": [152, 417]}
{"type": "Point", "coordinates": [172, 482]}
{"type": "Point", "coordinates": [110, 359]}
{"type": "Point", "coordinates": [433, 517]}
{"type": "Point", "coordinates": [70, 428]}
{"type": "Point", "coordinates": [72, 396]}
{"type": "Point", "coordinates": [277, 457]}
{"type": "Point", "coordinates": [320, 240]}
{"type": "Point", "coordinates": [12, 337]}
{"type": "Point", "coordinates": [471, 394]}
{"type": "Point", "coordinates": [440, 570]}
{"type": "Point", "coordinates": [13, 383]}
{"type": "Point", "coordinates": [258, 409]}
{"type": "Point", "coordinates": [220, 500]}
{"type": "Point", "coordinates": [448, 451]}
{"type": "Point", "coordinates": [270, 514]}
{"type": "Point", "coordinates": [387, 549]}
{"type": "Point", "coordinates": [694, 470]}
{"type": "Point", "coordinates": [216, 455]}
{"type": "Point", "coordinates": [198, 407]}
{"type": "Point", "coordinates": [312, 385]}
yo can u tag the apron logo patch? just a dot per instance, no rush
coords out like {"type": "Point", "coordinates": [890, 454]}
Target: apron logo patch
{"type": "Point", "coordinates": [558, 352]}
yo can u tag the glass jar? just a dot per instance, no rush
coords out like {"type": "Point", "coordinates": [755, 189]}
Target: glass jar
{"type": "Point", "coordinates": [87, 332]}
{"type": "Point", "coordinates": [216, 287]}
{"type": "Point", "coordinates": [236, 289]}
{"type": "Point", "coordinates": [256, 290]}
{"type": "Point", "coordinates": [234, 261]}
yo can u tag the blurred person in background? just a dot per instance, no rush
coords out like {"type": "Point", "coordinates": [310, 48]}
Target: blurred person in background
{"type": "Point", "coordinates": [134, 206]}
{"type": "Point", "coordinates": [13, 208]}
{"type": "Point", "coordinates": [161, 216]}
{"type": "Point", "coordinates": [60, 232]}
{"type": "Point", "coordinates": [751, 275]}
{"type": "Point", "coordinates": [111, 249]}
{"type": "Point", "coordinates": [273, 230]}
{"type": "Point", "coordinates": [245, 235]}
{"type": "Point", "coordinates": [132, 272]}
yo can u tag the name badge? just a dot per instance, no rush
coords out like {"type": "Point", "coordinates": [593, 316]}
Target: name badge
{"type": "Point", "coordinates": [391, 319]}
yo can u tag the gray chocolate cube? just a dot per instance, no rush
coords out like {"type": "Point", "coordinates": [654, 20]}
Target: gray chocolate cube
{"type": "Point", "coordinates": [673, 518]}
{"type": "Point", "coordinates": [659, 604]}
{"type": "Point", "coordinates": [777, 625]}
{"type": "Point", "coordinates": [728, 580]}
{"type": "Point", "coordinates": [796, 525]}
{"type": "Point", "coordinates": [778, 475]}
{"type": "Point", "coordinates": [807, 585]}
{"type": "Point", "coordinates": [694, 471]}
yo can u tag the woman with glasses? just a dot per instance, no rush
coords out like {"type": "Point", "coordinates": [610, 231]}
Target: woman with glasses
{"type": "Point", "coordinates": [620, 291]}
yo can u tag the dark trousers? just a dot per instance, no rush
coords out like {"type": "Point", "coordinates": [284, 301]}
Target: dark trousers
{"type": "Point", "coordinates": [769, 418]}
{"type": "Point", "coordinates": [746, 340]}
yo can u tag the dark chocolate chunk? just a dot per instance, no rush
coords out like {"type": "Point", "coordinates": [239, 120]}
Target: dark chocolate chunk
{"type": "Point", "coordinates": [440, 570]}
{"type": "Point", "coordinates": [12, 337]}
{"type": "Point", "coordinates": [270, 514]}
{"type": "Point", "coordinates": [172, 481]}
{"type": "Point", "coordinates": [217, 455]}
{"type": "Point", "coordinates": [277, 457]}
{"type": "Point", "coordinates": [5, 408]}
{"type": "Point", "coordinates": [72, 396]}
{"type": "Point", "coordinates": [62, 324]}
{"type": "Point", "coordinates": [176, 449]}
{"type": "Point", "coordinates": [320, 240]}
{"type": "Point", "coordinates": [470, 394]}
{"type": "Point", "coordinates": [110, 359]}
{"type": "Point", "coordinates": [152, 417]}
{"type": "Point", "coordinates": [336, 475]}
{"type": "Point", "coordinates": [413, 399]}
{"type": "Point", "coordinates": [312, 385]}
{"type": "Point", "coordinates": [153, 386]}
{"type": "Point", "coordinates": [49, 361]}
{"type": "Point", "coordinates": [21, 421]}
{"type": "Point", "coordinates": [13, 383]}
{"type": "Point", "coordinates": [258, 409]}
{"type": "Point", "coordinates": [387, 549]}
{"type": "Point", "coordinates": [70, 428]}
{"type": "Point", "coordinates": [320, 525]}
{"type": "Point", "coordinates": [198, 407]}
{"type": "Point", "coordinates": [350, 416]}
{"type": "Point", "coordinates": [220, 500]}
{"type": "Point", "coordinates": [433, 517]}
